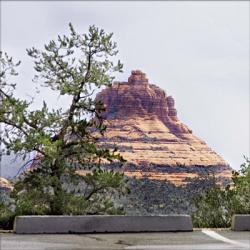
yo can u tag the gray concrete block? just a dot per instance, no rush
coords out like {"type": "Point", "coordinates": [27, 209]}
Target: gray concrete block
{"type": "Point", "coordinates": [241, 222]}
{"type": "Point", "coordinates": [101, 224]}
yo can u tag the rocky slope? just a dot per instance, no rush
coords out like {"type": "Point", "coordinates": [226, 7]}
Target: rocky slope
{"type": "Point", "coordinates": [142, 123]}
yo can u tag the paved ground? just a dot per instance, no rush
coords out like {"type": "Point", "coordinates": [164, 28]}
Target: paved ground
{"type": "Point", "coordinates": [197, 240]}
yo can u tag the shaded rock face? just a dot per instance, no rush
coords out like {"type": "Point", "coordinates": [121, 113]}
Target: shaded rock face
{"type": "Point", "coordinates": [142, 123]}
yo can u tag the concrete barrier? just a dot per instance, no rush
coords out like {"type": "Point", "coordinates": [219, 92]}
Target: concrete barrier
{"type": "Point", "coordinates": [241, 222]}
{"type": "Point", "coordinates": [101, 224]}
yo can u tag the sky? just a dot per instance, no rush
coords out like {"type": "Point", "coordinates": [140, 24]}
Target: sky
{"type": "Point", "coordinates": [197, 51]}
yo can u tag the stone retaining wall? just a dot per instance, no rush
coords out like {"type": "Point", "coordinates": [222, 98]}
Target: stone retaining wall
{"type": "Point", "coordinates": [101, 224]}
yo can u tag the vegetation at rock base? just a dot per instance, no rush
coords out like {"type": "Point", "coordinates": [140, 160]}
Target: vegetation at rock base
{"type": "Point", "coordinates": [215, 207]}
{"type": "Point", "coordinates": [201, 197]}
{"type": "Point", "coordinates": [64, 139]}
{"type": "Point", "coordinates": [154, 197]}
{"type": "Point", "coordinates": [210, 201]}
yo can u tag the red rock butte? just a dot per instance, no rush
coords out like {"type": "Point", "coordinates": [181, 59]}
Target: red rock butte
{"type": "Point", "coordinates": [142, 124]}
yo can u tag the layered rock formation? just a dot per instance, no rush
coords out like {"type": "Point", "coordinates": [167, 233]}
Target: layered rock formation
{"type": "Point", "coordinates": [142, 124]}
{"type": "Point", "coordinates": [5, 185]}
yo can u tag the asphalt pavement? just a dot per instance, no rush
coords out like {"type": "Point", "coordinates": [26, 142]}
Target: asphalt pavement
{"type": "Point", "coordinates": [206, 239]}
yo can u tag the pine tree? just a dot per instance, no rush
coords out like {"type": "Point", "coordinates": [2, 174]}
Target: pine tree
{"type": "Point", "coordinates": [65, 140]}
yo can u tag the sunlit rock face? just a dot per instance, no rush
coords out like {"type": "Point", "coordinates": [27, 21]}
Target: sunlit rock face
{"type": "Point", "coordinates": [142, 123]}
{"type": "Point", "coordinates": [5, 185]}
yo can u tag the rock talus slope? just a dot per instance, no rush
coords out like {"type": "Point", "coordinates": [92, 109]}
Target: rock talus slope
{"type": "Point", "coordinates": [142, 123]}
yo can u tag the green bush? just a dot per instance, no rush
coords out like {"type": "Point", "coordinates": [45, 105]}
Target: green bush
{"type": "Point", "coordinates": [214, 207]}
{"type": "Point", "coordinates": [6, 217]}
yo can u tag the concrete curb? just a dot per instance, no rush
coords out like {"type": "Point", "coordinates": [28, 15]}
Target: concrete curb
{"type": "Point", "coordinates": [241, 222]}
{"type": "Point", "coordinates": [101, 224]}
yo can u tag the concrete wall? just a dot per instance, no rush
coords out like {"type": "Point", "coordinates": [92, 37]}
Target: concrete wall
{"type": "Point", "coordinates": [101, 224]}
{"type": "Point", "coordinates": [241, 222]}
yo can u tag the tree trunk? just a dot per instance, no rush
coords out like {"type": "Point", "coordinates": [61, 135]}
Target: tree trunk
{"type": "Point", "coordinates": [57, 201]}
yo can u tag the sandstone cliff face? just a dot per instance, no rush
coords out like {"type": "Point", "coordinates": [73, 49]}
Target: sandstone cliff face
{"type": "Point", "coordinates": [142, 123]}
{"type": "Point", "coordinates": [5, 185]}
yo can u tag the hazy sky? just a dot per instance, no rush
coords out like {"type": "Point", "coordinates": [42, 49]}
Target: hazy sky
{"type": "Point", "coordinates": [198, 52]}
